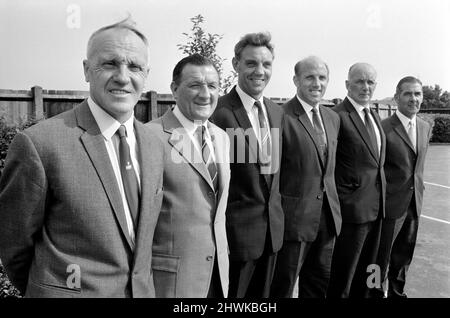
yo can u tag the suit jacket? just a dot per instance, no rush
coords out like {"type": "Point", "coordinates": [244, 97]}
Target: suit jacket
{"type": "Point", "coordinates": [254, 202]}
{"type": "Point", "coordinates": [191, 228]}
{"type": "Point", "coordinates": [404, 166]}
{"type": "Point", "coordinates": [304, 176]}
{"type": "Point", "coordinates": [359, 173]}
{"type": "Point", "coordinates": [61, 210]}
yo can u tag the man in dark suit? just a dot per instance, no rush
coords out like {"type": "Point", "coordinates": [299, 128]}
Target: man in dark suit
{"type": "Point", "coordinates": [360, 184]}
{"type": "Point", "coordinates": [308, 191]}
{"type": "Point", "coordinates": [406, 146]}
{"type": "Point", "coordinates": [190, 250]}
{"type": "Point", "coordinates": [254, 214]}
{"type": "Point", "coordinates": [81, 192]}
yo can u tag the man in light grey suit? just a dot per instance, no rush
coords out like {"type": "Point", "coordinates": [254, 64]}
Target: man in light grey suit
{"type": "Point", "coordinates": [190, 249]}
{"type": "Point", "coordinates": [79, 202]}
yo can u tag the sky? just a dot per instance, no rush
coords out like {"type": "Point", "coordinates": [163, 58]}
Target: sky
{"type": "Point", "coordinates": [43, 42]}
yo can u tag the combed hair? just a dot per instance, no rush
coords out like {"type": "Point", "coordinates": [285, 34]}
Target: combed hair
{"type": "Point", "coordinates": [298, 65]}
{"type": "Point", "coordinates": [407, 79]}
{"type": "Point", "coordinates": [254, 39]}
{"type": "Point", "coordinates": [194, 59]}
{"type": "Point", "coordinates": [126, 23]}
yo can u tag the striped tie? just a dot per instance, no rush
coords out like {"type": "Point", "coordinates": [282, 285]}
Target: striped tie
{"type": "Point", "coordinates": [208, 158]}
{"type": "Point", "coordinates": [265, 145]}
{"type": "Point", "coordinates": [320, 133]}
{"type": "Point", "coordinates": [370, 130]}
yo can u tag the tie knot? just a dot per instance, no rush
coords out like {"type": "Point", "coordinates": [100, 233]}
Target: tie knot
{"type": "Point", "coordinates": [258, 105]}
{"type": "Point", "coordinates": [366, 110]}
{"type": "Point", "coordinates": [315, 110]}
{"type": "Point", "coordinates": [200, 132]}
{"type": "Point", "coordinates": [411, 123]}
{"type": "Point", "coordinates": [122, 131]}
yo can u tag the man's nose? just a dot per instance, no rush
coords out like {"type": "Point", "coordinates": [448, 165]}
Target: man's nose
{"type": "Point", "coordinates": [121, 75]}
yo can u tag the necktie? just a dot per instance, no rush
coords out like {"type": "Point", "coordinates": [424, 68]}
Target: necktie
{"type": "Point", "coordinates": [207, 157]}
{"type": "Point", "coordinates": [264, 133]}
{"type": "Point", "coordinates": [129, 179]}
{"type": "Point", "coordinates": [411, 134]}
{"type": "Point", "coordinates": [320, 133]}
{"type": "Point", "coordinates": [370, 130]}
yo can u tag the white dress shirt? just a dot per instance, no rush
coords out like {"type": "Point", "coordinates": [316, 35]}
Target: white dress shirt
{"type": "Point", "coordinates": [108, 127]}
{"type": "Point", "coordinates": [191, 127]}
{"type": "Point", "coordinates": [252, 112]}
{"type": "Point", "coordinates": [406, 122]}
{"type": "Point", "coordinates": [360, 110]}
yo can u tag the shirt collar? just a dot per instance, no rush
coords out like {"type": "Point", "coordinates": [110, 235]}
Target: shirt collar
{"type": "Point", "coordinates": [108, 125]}
{"type": "Point", "coordinates": [188, 124]}
{"type": "Point", "coordinates": [405, 120]}
{"type": "Point", "coordinates": [307, 107]}
{"type": "Point", "coordinates": [359, 108]}
{"type": "Point", "coordinates": [247, 100]}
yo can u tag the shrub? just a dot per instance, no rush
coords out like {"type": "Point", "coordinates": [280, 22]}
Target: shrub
{"type": "Point", "coordinates": [7, 134]}
{"type": "Point", "coordinates": [441, 129]}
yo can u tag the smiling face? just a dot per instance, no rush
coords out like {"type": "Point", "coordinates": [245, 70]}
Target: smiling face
{"type": "Point", "coordinates": [409, 99]}
{"type": "Point", "coordinates": [116, 70]}
{"type": "Point", "coordinates": [311, 80]}
{"type": "Point", "coordinates": [197, 92]}
{"type": "Point", "coordinates": [254, 68]}
{"type": "Point", "coordinates": [361, 83]}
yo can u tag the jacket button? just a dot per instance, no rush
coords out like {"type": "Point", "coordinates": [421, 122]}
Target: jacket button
{"type": "Point", "coordinates": [210, 194]}
{"type": "Point", "coordinates": [209, 258]}
{"type": "Point", "coordinates": [319, 197]}
{"type": "Point", "coordinates": [412, 188]}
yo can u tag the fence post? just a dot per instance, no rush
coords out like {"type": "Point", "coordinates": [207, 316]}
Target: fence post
{"type": "Point", "coordinates": [37, 104]}
{"type": "Point", "coordinates": [152, 110]}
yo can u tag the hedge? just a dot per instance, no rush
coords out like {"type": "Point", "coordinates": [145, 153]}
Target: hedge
{"type": "Point", "coordinates": [441, 129]}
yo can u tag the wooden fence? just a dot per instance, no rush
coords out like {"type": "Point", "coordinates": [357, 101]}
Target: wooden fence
{"type": "Point", "coordinates": [17, 106]}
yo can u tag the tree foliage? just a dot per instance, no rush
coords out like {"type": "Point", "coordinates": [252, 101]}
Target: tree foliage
{"type": "Point", "coordinates": [205, 44]}
{"type": "Point", "coordinates": [433, 97]}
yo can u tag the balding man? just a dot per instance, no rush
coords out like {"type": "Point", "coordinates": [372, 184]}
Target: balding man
{"type": "Point", "coordinates": [307, 187]}
{"type": "Point", "coordinates": [360, 184]}
{"type": "Point", "coordinates": [81, 192]}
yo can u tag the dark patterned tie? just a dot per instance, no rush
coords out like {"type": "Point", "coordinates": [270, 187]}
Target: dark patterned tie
{"type": "Point", "coordinates": [320, 133]}
{"type": "Point", "coordinates": [264, 133]}
{"type": "Point", "coordinates": [129, 179]}
{"type": "Point", "coordinates": [207, 157]}
{"type": "Point", "coordinates": [370, 129]}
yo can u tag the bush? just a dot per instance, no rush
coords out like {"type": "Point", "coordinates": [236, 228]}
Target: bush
{"type": "Point", "coordinates": [7, 134]}
{"type": "Point", "coordinates": [441, 129]}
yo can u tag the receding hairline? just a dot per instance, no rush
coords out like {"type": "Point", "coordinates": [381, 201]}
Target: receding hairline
{"type": "Point", "coordinates": [126, 24]}
{"type": "Point", "coordinates": [358, 66]}
{"type": "Point", "coordinates": [311, 58]}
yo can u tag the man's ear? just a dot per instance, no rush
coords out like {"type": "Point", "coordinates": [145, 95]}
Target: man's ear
{"type": "Point", "coordinates": [295, 80]}
{"type": "Point", "coordinates": [346, 84]}
{"type": "Point", "coordinates": [86, 70]}
{"type": "Point", "coordinates": [235, 63]}
{"type": "Point", "coordinates": [173, 88]}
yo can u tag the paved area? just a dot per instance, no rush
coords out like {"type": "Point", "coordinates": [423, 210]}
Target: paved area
{"type": "Point", "coordinates": [429, 273]}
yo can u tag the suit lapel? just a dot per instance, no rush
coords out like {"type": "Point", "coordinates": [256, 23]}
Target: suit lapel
{"type": "Point", "coordinates": [327, 126]}
{"type": "Point", "coordinates": [181, 142]}
{"type": "Point", "coordinates": [400, 130]}
{"type": "Point", "coordinates": [94, 144]}
{"type": "Point", "coordinates": [361, 128]}
{"type": "Point", "coordinates": [304, 120]}
{"type": "Point", "coordinates": [422, 137]}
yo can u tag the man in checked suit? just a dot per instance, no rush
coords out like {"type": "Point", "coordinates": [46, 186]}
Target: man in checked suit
{"type": "Point", "coordinates": [307, 187]}
{"type": "Point", "coordinates": [79, 202]}
{"type": "Point", "coordinates": [254, 214]}
{"type": "Point", "coordinates": [406, 146]}
{"type": "Point", "coordinates": [190, 249]}
{"type": "Point", "coordinates": [360, 184]}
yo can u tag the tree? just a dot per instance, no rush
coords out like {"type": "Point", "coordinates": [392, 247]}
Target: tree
{"type": "Point", "coordinates": [205, 44]}
{"type": "Point", "coordinates": [433, 97]}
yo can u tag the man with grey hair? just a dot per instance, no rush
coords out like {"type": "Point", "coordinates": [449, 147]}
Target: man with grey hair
{"type": "Point", "coordinates": [81, 192]}
{"type": "Point", "coordinates": [360, 184]}
{"type": "Point", "coordinates": [307, 187]}
{"type": "Point", "coordinates": [254, 214]}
